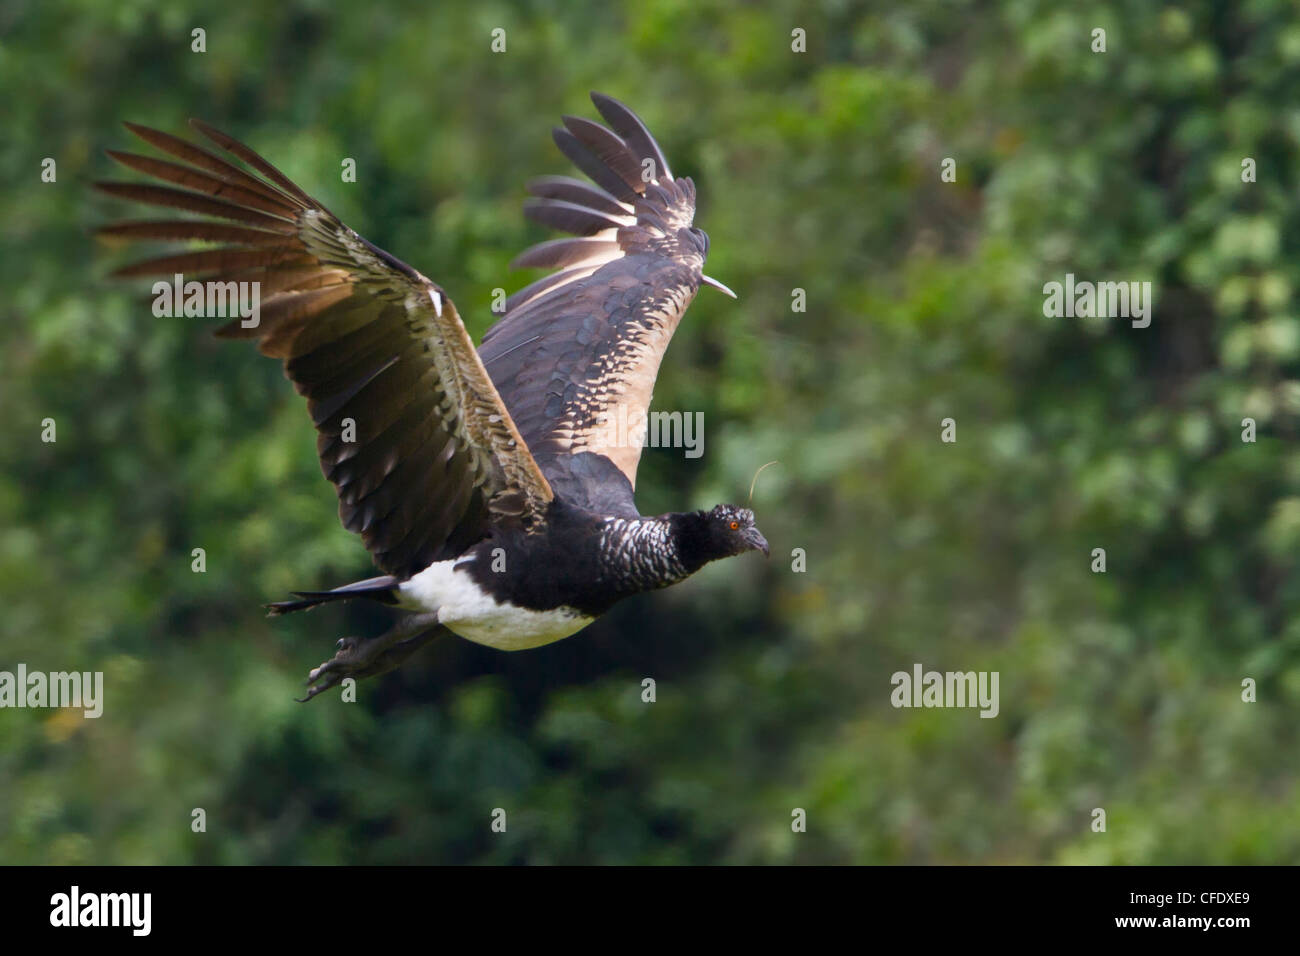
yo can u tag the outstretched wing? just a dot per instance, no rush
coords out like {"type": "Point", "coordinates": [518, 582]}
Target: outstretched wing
{"type": "Point", "coordinates": [412, 432]}
{"type": "Point", "coordinates": [576, 354]}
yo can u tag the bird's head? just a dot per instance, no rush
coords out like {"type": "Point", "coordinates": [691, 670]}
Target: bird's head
{"type": "Point", "coordinates": [732, 530]}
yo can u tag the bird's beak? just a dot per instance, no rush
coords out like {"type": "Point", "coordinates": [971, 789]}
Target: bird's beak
{"type": "Point", "coordinates": [756, 541]}
{"type": "Point", "coordinates": [717, 285]}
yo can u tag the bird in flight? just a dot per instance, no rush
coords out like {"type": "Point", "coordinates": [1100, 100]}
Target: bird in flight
{"type": "Point", "coordinates": [487, 484]}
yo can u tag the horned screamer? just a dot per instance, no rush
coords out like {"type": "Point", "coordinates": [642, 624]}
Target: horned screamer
{"type": "Point", "coordinates": [483, 482]}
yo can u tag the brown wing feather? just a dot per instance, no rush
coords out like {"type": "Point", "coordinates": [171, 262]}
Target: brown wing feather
{"type": "Point", "coordinates": [372, 344]}
{"type": "Point", "coordinates": [577, 353]}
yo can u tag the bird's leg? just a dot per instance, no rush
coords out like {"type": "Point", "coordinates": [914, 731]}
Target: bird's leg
{"type": "Point", "coordinates": [360, 658]}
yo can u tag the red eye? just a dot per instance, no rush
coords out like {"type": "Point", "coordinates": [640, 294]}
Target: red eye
{"type": "Point", "coordinates": [735, 526]}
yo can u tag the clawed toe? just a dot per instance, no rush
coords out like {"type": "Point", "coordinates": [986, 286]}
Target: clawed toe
{"type": "Point", "coordinates": [357, 657]}
{"type": "Point", "coordinates": [348, 661]}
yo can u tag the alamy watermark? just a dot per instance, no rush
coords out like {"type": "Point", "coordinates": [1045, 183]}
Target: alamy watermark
{"type": "Point", "coordinates": [631, 427]}
{"type": "Point", "coordinates": [75, 689]}
{"type": "Point", "coordinates": [922, 688]}
{"type": "Point", "coordinates": [1102, 300]}
{"type": "Point", "coordinates": [130, 910]}
{"type": "Point", "coordinates": [209, 300]}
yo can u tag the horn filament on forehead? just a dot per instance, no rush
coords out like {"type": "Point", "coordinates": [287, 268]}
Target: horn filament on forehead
{"type": "Point", "coordinates": [755, 481]}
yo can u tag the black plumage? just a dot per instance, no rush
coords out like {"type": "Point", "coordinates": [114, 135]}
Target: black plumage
{"type": "Point", "coordinates": [484, 482]}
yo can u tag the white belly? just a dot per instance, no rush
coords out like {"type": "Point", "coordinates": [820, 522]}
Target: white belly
{"type": "Point", "coordinates": [465, 609]}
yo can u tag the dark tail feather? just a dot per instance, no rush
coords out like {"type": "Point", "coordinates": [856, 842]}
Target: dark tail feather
{"type": "Point", "coordinates": [380, 589]}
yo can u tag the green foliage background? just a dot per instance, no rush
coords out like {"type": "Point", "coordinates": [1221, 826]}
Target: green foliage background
{"type": "Point", "coordinates": [818, 171]}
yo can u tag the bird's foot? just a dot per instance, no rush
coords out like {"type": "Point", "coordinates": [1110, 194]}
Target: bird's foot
{"type": "Point", "coordinates": [351, 658]}
{"type": "Point", "coordinates": [358, 657]}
